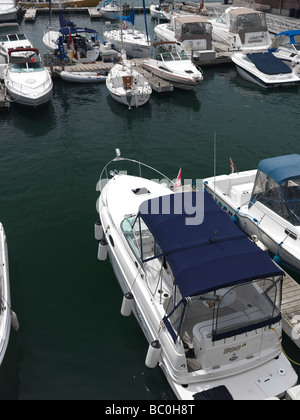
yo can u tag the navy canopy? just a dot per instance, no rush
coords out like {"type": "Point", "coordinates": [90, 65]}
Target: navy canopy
{"type": "Point", "coordinates": [269, 64]}
{"type": "Point", "coordinates": [206, 256]}
{"type": "Point", "coordinates": [75, 30]}
{"type": "Point", "coordinates": [281, 168]}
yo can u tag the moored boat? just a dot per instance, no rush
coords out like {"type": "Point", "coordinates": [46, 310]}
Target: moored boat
{"type": "Point", "coordinates": [205, 296]}
{"type": "Point", "coordinates": [27, 81]}
{"type": "Point", "coordinates": [126, 85]}
{"type": "Point", "coordinates": [265, 202]}
{"type": "Point", "coordinates": [265, 69]}
{"type": "Point", "coordinates": [174, 66]}
{"type": "Point", "coordinates": [241, 28]}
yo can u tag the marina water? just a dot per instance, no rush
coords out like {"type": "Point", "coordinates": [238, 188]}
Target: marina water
{"type": "Point", "coordinates": [73, 342]}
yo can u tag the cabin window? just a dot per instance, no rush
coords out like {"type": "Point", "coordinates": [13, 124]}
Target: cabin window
{"type": "Point", "coordinates": [283, 199]}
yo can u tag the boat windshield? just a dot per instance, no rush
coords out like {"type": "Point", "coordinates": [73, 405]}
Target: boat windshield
{"type": "Point", "coordinates": [26, 67]}
{"type": "Point", "coordinates": [283, 199]}
{"type": "Point", "coordinates": [285, 41]}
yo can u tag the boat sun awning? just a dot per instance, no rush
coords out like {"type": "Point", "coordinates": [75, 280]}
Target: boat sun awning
{"type": "Point", "coordinates": [281, 168]}
{"type": "Point", "coordinates": [207, 256]}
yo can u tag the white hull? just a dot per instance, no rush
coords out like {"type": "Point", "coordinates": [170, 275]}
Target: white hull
{"type": "Point", "coordinates": [250, 72]}
{"type": "Point", "coordinates": [134, 42]}
{"type": "Point", "coordinates": [179, 81]}
{"type": "Point", "coordinates": [5, 319]}
{"type": "Point", "coordinates": [160, 14]}
{"type": "Point", "coordinates": [9, 11]}
{"type": "Point", "coordinates": [82, 77]}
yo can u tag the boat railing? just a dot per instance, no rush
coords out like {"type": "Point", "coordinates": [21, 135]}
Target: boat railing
{"type": "Point", "coordinates": [106, 173]}
{"type": "Point", "coordinates": [279, 24]}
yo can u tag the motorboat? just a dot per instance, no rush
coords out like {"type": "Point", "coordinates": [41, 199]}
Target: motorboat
{"type": "Point", "coordinates": [126, 85]}
{"type": "Point", "coordinates": [8, 318]}
{"type": "Point", "coordinates": [241, 28]}
{"type": "Point", "coordinates": [81, 45]}
{"type": "Point", "coordinates": [194, 33]}
{"type": "Point", "coordinates": [265, 69]}
{"type": "Point", "coordinates": [135, 42]}
{"type": "Point", "coordinates": [83, 76]}
{"type": "Point", "coordinates": [9, 11]}
{"type": "Point", "coordinates": [110, 9]}
{"type": "Point", "coordinates": [205, 296]}
{"type": "Point", "coordinates": [162, 10]}
{"type": "Point", "coordinates": [286, 46]}
{"type": "Point", "coordinates": [266, 203]}
{"type": "Point", "coordinates": [174, 66]}
{"type": "Point", "coordinates": [26, 80]}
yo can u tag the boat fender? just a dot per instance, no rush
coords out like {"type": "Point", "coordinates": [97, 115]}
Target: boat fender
{"type": "Point", "coordinates": [98, 231]}
{"type": "Point", "coordinates": [153, 354]}
{"type": "Point", "coordinates": [102, 250]}
{"type": "Point", "coordinates": [235, 219]}
{"type": "Point", "coordinates": [14, 321]}
{"type": "Point", "coordinates": [127, 304]}
{"type": "Point", "coordinates": [277, 259]}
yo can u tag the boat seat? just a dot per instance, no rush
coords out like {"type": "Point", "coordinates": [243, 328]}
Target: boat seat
{"type": "Point", "coordinates": [241, 194]}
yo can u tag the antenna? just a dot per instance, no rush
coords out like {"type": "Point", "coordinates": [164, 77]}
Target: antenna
{"type": "Point", "coordinates": [215, 158]}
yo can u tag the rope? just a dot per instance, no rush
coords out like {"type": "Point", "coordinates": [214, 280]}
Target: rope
{"type": "Point", "coordinates": [298, 364]}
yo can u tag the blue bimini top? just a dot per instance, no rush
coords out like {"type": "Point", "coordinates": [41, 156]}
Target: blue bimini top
{"type": "Point", "coordinates": [206, 256]}
{"type": "Point", "coordinates": [281, 168]}
{"type": "Point", "coordinates": [269, 64]}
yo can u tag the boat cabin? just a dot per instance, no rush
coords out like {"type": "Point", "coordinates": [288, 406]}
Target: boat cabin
{"type": "Point", "coordinates": [193, 27]}
{"type": "Point", "coordinates": [244, 21]}
{"type": "Point", "coordinates": [218, 291]}
{"type": "Point", "coordinates": [277, 186]}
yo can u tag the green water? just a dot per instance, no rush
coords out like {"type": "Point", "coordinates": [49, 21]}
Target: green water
{"type": "Point", "coordinates": [73, 343]}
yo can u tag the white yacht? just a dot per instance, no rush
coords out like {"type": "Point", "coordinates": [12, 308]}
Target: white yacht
{"type": "Point", "coordinates": [265, 69]}
{"type": "Point", "coordinates": [286, 46]}
{"type": "Point", "coordinates": [205, 296]}
{"type": "Point", "coordinates": [26, 80]}
{"type": "Point", "coordinates": [110, 10]}
{"type": "Point", "coordinates": [126, 85]}
{"type": "Point", "coordinates": [9, 42]}
{"type": "Point", "coordinates": [266, 203]}
{"type": "Point", "coordinates": [135, 42]}
{"type": "Point", "coordinates": [241, 28]}
{"type": "Point", "coordinates": [174, 66]}
{"type": "Point", "coordinates": [8, 318]}
{"type": "Point", "coordinates": [162, 10]}
{"type": "Point", "coordinates": [193, 33]}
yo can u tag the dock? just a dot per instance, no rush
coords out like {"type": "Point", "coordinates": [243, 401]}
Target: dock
{"type": "Point", "coordinates": [94, 13]}
{"type": "Point", "coordinates": [290, 309]}
{"type": "Point", "coordinates": [30, 15]}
